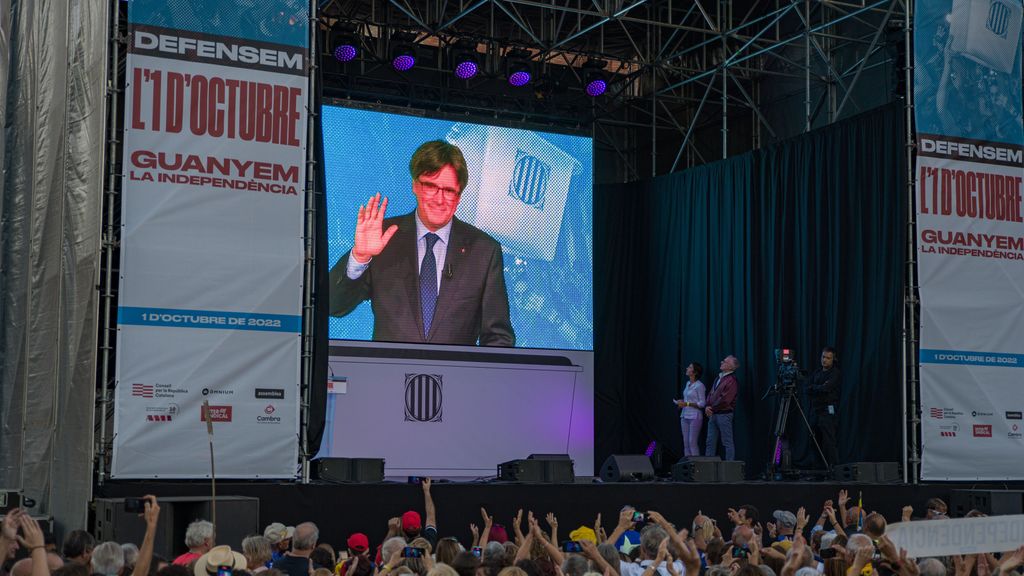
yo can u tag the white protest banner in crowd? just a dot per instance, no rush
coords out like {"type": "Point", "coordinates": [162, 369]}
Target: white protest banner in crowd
{"type": "Point", "coordinates": [927, 538]}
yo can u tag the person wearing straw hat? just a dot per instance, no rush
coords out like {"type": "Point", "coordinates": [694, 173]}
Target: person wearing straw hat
{"type": "Point", "coordinates": [218, 559]}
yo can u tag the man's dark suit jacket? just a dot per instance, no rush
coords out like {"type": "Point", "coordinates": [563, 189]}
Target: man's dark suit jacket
{"type": "Point", "coordinates": [722, 400]}
{"type": "Point", "coordinates": [472, 304]}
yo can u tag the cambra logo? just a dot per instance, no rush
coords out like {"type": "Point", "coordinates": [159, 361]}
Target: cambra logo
{"type": "Point", "coordinates": [998, 21]}
{"type": "Point", "coordinates": [423, 397]}
{"type": "Point", "coordinates": [529, 183]}
{"type": "Point", "coordinates": [269, 417]}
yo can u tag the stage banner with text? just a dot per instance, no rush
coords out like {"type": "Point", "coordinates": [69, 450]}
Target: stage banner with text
{"type": "Point", "coordinates": [970, 237]}
{"type": "Point", "coordinates": [210, 296]}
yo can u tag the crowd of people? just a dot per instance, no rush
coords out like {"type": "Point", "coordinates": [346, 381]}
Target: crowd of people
{"type": "Point", "coordinates": [844, 540]}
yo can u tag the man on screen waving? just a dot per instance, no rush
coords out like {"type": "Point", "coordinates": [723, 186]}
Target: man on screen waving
{"type": "Point", "coordinates": [429, 276]}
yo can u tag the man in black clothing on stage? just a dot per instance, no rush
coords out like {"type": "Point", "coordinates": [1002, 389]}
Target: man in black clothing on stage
{"type": "Point", "coordinates": [824, 392]}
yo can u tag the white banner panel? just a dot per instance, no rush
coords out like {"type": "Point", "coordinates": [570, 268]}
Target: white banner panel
{"type": "Point", "coordinates": [455, 412]}
{"type": "Point", "coordinates": [211, 241]}
{"type": "Point", "coordinates": [933, 538]}
{"type": "Point", "coordinates": [970, 238]}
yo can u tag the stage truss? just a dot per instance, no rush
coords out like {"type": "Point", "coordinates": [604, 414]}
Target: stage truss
{"type": "Point", "coordinates": [693, 81]}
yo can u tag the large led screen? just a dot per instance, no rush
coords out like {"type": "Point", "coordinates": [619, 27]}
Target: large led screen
{"type": "Point", "coordinates": [499, 217]}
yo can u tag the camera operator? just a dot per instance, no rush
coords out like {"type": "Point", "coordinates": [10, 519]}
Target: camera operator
{"type": "Point", "coordinates": [824, 391]}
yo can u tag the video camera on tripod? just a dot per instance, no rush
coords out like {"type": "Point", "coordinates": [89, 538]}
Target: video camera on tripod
{"type": "Point", "coordinates": [787, 371]}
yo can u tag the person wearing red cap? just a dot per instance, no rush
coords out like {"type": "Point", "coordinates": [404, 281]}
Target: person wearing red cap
{"type": "Point", "coordinates": [358, 547]}
{"type": "Point", "coordinates": [412, 524]}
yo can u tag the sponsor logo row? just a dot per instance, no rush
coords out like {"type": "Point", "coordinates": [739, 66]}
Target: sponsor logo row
{"type": "Point", "coordinates": [979, 431]}
{"type": "Point", "coordinates": [953, 414]}
{"type": "Point", "coordinates": [218, 413]}
{"type": "Point", "coordinates": [169, 391]}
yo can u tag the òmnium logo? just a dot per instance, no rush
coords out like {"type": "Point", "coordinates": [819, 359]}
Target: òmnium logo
{"type": "Point", "coordinates": [1013, 415]}
{"type": "Point", "coordinates": [423, 397]}
{"type": "Point", "coordinates": [268, 416]}
{"type": "Point", "coordinates": [976, 413]}
{"type": "Point", "coordinates": [270, 393]}
{"type": "Point", "coordinates": [215, 392]}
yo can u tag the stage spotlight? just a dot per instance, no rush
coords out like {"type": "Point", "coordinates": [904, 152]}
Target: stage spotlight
{"type": "Point", "coordinates": [518, 69]}
{"type": "Point", "coordinates": [403, 51]}
{"type": "Point", "coordinates": [594, 79]}
{"type": "Point", "coordinates": [464, 60]}
{"type": "Point", "coordinates": [345, 42]}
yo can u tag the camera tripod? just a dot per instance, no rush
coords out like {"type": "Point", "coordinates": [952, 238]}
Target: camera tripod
{"type": "Point", "coordinates": [788, 399]}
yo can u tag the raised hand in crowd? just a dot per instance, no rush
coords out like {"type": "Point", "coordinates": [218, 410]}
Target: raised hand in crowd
{"type": "Point", "coordinates": [734, 517]}
{"type": "Point", "coordinates": [754, 557]}
{"type": "Point", "coordinates": [552, 521]}
{"type": "Point", "coordinates": [625, 523]}
{"type": "Point", "coordinates": [599, 529]}
{"type": "Point", "coordinates": [485, 535]}
{"type": "Point", "coordinates": [906, 513]}
{"type": "Point", "coordinates": [590, 551]}
{"type": "Point", "coordinates": [475, 532]}
{"type": "Point", "coordinates": [796, 555]}
{"type": "Point", "coordinates": [844, 498]}
{"type": "Point", "coordinates": [1011, 561]}
{"type": "Point", "coordinates": [861, 559]}
{"type": "Point", "coordinates": [964, 565]}
{"type": "Point", "coordinates": [151, 513]}
{"type": "Point", "coordinates": [801, 519]}
{"type": "Point", "coordinates": [907, 566]}
{"type": "Point", "coordinates": [31, 538]}
{"type": "Point", "coordinates": [428, 505]}
{"type": "Point", "coordinates": [517, 527]}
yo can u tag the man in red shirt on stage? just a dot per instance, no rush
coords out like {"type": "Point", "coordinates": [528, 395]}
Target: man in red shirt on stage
{"type": "Point", "coordinates": [721, 404]}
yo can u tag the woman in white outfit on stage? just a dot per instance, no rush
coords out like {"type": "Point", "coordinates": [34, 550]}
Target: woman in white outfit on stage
{"type": "Point", "coordinates": [691, 418]}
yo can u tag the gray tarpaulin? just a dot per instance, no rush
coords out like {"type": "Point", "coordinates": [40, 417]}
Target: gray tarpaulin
{"type": "Point", "coordinates": [52, 78]}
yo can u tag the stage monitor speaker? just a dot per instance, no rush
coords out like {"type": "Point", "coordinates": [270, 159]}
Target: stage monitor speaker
{"type": "Point", "coordinates": [627, 468]}
{"type": "Point", "coordinates": [549, 468]}
{"type": "Point", "coordinates": [732, 471]}
{"type": "Point", "coordinates": [876, 472]}
{"type": "Point", "coordinates": [696, 469]}
{"type": "Point", "coordinates": [356, 470]}
{"type": "Point", "coordinates": [990, 502]}
{"type": "Point", "coordinates": [176, 513]}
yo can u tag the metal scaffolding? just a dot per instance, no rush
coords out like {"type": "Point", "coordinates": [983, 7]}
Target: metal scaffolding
{"type": "Point", "coordinates": [694, 81]}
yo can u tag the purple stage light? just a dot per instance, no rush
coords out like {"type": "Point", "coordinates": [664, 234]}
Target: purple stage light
{"type": "Point", "coordinates": [520, 78]}
{"type": "Point", "coordinates": [466, 70]}
{"type": "Point", "coordinates": [403, 62]}
{"type": "Point", "coordinates": [345, 53]}
{"type": "Point", "coordinates": [596, 87]}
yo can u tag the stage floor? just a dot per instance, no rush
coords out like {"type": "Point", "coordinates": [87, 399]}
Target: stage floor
{"type": "Point", "coordinates": [341, 509]}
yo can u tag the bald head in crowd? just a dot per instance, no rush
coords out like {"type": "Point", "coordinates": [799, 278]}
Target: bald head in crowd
{"type": "Point", "coordinates": [23, 567]}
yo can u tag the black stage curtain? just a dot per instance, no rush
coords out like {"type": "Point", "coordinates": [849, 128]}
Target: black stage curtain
{"type": "Point", "coordinates": [798, 245]}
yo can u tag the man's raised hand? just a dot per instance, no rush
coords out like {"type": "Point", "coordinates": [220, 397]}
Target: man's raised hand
{"type": "Point", "coordinates": [371, 238]}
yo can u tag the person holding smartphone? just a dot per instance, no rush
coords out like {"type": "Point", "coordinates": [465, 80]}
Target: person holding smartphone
{"type": "Point", "coordinates": [691, 416]}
